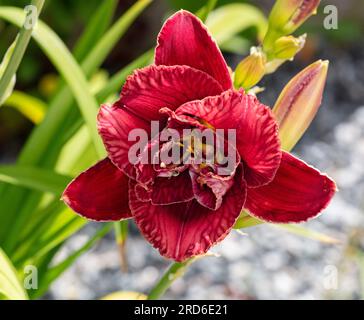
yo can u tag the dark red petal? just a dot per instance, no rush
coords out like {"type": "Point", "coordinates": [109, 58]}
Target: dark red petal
{"type": "Point", "coordinates": [99, 193]}
{"type": "Point", "coordinates": [180, 122]}
{"type": "Point", "coordinates": [258, 142]}
{"type": "Point", "coordinates": [114, 125]}
{"type": "Point", "coordinates": [183, 230]}
{"type": "Point", "coordinates": [157, 150]}
{"type": "Point", "coordinates": [209, 189]}
{"type": "Point", "coordinates": [256, 131]}
{"type": "Point", "coordinates": [221, 112]}
{"type": "Point", "coordinates": [168, 190]}
{"type": "Point", "coordinates": [142, 192]}
{"type": "Point", "coordinates": [155, 87]}
{"type": "Point", "coordinates": [184, 40]}
{"type": "Point", "coordinates": [297, 193]}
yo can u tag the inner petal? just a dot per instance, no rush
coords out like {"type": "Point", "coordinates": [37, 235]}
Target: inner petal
{"type": "Point", "coordinates": [189, 157]}
{"type": "Point", "coordinates": [209, 189]}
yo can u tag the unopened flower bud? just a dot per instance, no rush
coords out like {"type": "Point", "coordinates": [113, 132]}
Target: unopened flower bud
{"type": "Point", "coordinates": [288, 46]}
{"type": "Point", "coordinates": [298, 103]}
{"type": "Point", "coordinates": [250, 70]}
{"type": "Point", "coordinates": [288, 15]}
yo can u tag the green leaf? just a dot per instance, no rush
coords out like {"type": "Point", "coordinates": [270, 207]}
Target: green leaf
{"type": "Point", "coordinates": [54, 272]}
{"type": "Point", "coordinates": [117, 80]}
{"type": "Point", "coordinates": [77, 154]}
{"type": "Point", "coordinates": [3, 66]}
{"type": "Point", "coordinates": [52, 225]}
{"type": "Point", "coordinates": [10, 287]}
{"type": "Point", "coordinates": [175, 271]}
{"type": "Point", "coordinates": [63, 60]}
{"type": "Point", "coordinates": [227, 21]}
{"type": "Point", "coordinates": [49, 236]}
{"type": "Point", "coordinates": [107, 42]}
{"type": "Point", "coordinates": [34, 178]}
{"type": "Point", "coordinates": [95, 28]}
{"type": "Point", "coordinates": [191, 6]}
{"type": "Point", "coordinates": [21, 44]}
{"type": "Point", "coordinates": [45, 136]}
{"type": "Point", "coordinates": [246, 221]}
{"type": "Point", "coordinates": [43, 265]}
{"type": "Point", "coordinates": [32, 108]}
{"type": "Point", "coordinates": [42, 219]}
{"type": "Point", "coordinates": [44, 139]}
{"type": "Point", "coordinates": [206, 9]}
{"type": "Point", "coordinates": [307, 233]}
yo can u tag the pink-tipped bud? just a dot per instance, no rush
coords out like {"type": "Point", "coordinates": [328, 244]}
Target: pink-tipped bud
{"type": "Point", "coordinates": [298, 103]}
{"type": "Point", "coordinates": [288, 15]}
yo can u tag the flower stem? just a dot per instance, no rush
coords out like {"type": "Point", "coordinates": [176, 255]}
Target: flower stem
{"type": "Point", "coordinates": [175, 271]}
{"type": "Point", "coordinates": [121, 234]}
{"type": "Point", "coordinates": [24, 36]}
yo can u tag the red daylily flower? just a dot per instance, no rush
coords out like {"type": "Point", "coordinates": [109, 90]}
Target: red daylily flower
{"type": "Point", "coordinates": [182, 211]}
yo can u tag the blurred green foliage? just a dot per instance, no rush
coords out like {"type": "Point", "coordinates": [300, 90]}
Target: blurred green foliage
{"type": "Point", "coordinates": [33, 222]}
{"type": "Point", "coordinates": [197, 4]}
{"type": "Point", "coordinates": [67, 18]}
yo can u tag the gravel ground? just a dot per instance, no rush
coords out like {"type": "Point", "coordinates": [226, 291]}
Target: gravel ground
{"type": "Point", "coordinates": [267, 262]}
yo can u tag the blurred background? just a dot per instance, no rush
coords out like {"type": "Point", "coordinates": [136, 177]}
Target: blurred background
{"type": "Point", "coordinates": [266, 262]}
